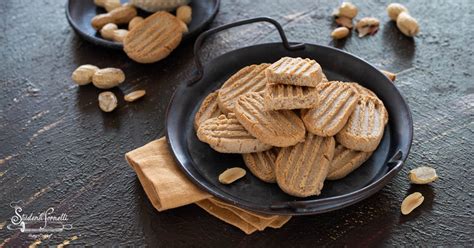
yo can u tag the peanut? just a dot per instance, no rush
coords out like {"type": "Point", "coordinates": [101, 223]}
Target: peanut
{"type": "Point", "coordinates": [108, 78]}
{"type": "Point", "coordinates": [339, 33]}
{"type": "Point", "coordinates": [231, 175]}
{"type": "Point", "coordinates": [367, 25]}
{"type": "Point", "coordinates": [134, 22]}
{"type": "Point", "coordinates": [135, 95]}
{"type": "Point", "coordinates": [119, 35]}
{"type": "Point", "coordinates": [392, 76]}
{"type": "Point", "coordinates": [83, 74]}
{"type": "Point", "coordinates": [411, 202]}
{"type": "Point", "coordinates": [394, 9]}
{"type": "Point", "coordinates": [184, 13]}
{"type": "Point", "coordinates": [407, 24]}
{"type": "Point", "coordinates": [184, 27]}
{"type": "Point", "coordinates": [422, 175]}
{"type": "Point", "coordinates": [344, 22]}
{"type": "Point", "coordinates": [107, 31]}
{"type": "Point", "coordinates": [109, 5]}
{"type": "Point", "coordinates": [346, 9]}
{"type": "Point", "coordinates": [107, 101]}
{"type": "Point", "coordinates": [121, 15]}
{"type": "Point", "coordinates": [100, 3]}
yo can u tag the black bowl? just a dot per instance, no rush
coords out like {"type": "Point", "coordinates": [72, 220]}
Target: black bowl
{"type": "Point", "coordinates": [79, 14]}
{"type": "Point", "coordinates": [203, 165]}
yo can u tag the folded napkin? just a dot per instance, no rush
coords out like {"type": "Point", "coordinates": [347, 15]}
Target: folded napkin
{"type": "Point", "coordinates": [167, 188]}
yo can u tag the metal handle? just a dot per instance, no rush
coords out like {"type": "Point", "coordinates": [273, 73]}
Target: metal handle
{"type": "Point", "coordinates": [203, 36]}
{"type": "Point", "coordinates": [395, 162]}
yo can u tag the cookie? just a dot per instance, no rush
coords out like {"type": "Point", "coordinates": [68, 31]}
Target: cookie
{"type": "Point", "coordinates": [337, 100]}
{"type": "Point", "coordinates": [157, 5]}
{"type": "Point", "coordinates": [278, 128]}
{"type": "Point", "coordinates": [262, 164]}
{"type": "Point", "coordinates": [345, 161]}
{"type": "Point", "coordinates": [248, 79]}
{"type": "Point", "coordinates": [225, 134]}
{"type": "Point", "coordinates": [364, 129]}
{"type": "Point", "coordinates": [154, 38]}
{"type": "Point", "coordinates": [208, 109]}
{"type": "Point", "coordinates": [301, 170]}
{"type": "Point", "coordinates": [324, 79]}
{"type": "Point", "coordinates": [361, 90]}
{"type": "Point", "coordinates": [295, 71]}
{"type": "Point", "coordinates": [280, 96]}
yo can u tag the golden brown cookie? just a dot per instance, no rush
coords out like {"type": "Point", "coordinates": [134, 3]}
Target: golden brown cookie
{"type": "Point", "coordinates": [225, 134]}
{"type": "Point", "coordinates": [324, 79]}
{"type": "Point", "coordinates": [345, 161]}
{"type": "Point", "coordinates": [208, 109]}
{"type": "Point", "coordinates": [278, 128]}
{"type": "Point", "coordinates": [337, 100]}
{"type": "Point", "coordinates": [295, 71]}
{"type": "Point", "coordinates": [364, 129]}
{"type": "Point", "coordinates": [154, 38]}
{"type": "Point", "coordinates": [361, 90]}
{"type": "Point", "coordinates": [249, 79]}
{"type": "Point", "coordinates": [301, 170]}
{"type": "Point", "coordinates": [262, 164]}
{"type": "Point", "coordinates": [280, 96]}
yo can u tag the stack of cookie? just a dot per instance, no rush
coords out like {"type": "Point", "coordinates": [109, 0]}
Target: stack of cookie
{"type": "Point", "coordinates": [286, 117]}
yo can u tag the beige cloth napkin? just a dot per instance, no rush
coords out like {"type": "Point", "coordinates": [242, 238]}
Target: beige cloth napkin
{"type": "Point", "coordinates": [167, 188]}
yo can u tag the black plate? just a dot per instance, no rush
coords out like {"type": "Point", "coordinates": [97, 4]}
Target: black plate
{"type": "Point", "coordinates": [79, 14]}
{"type": "Point", "coordinates": [203, 165]}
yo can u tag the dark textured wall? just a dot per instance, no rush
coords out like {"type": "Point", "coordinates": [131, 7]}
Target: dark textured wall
{"type": "Point", "coordinates": [57, 149]}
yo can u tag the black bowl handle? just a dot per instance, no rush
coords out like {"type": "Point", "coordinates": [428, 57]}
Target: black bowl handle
{"type": "Point", "coordinates": [203, 36]}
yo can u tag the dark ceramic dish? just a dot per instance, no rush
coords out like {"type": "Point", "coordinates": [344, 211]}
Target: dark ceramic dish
{"type": "Point", "coordinates": [79, 14]}
{"type": "Point", "coordinates": [203, 165]}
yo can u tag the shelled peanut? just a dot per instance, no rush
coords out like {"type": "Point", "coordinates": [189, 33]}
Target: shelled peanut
{"type": "Point", "coordinates": [411, 202]}
{"type": "Point", "coordinates": [184, 13]}
{"type": "Point", "coordinates": [231, 175]}
{"type": "Point", "coordinates": [107, 101]}
{"type": "Point", "coordinates": [340, 33]}
{"type": "Point", "coordinates": [134, 95]}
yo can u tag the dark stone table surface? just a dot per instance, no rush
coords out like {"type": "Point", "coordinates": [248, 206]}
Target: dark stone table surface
{"type": "Point", "coordinates": [57, 149]}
